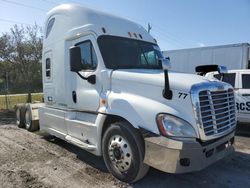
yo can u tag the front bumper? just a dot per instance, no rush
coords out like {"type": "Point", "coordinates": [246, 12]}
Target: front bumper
{"type": "Point", "coordinates": [174, 156]}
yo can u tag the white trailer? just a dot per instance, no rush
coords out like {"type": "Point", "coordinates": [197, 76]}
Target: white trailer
{"type": "Point", "coordinates": [234, 56]}
{"type": "Point", "coordinates": [107, 89]}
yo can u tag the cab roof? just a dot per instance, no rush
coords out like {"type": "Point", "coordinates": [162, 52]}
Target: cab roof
{"type": "Point", "coordinates": [72, 20]}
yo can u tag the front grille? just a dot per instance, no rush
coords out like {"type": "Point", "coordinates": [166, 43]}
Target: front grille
{"type": "Point", "coordinates": [217, 110]}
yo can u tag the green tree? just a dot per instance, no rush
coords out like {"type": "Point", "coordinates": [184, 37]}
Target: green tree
{"type": "Point", "coordinates": [21, 52]}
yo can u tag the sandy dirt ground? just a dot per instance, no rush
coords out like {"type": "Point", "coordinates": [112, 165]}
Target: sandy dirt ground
{"type": "Point", "coordinates": [35, 160]}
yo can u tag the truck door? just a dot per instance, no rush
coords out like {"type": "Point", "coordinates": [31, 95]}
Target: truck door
{"type": "Point", "coordinates": [243, 97]}
{"type": "Point", "coordinates": [84, 96]}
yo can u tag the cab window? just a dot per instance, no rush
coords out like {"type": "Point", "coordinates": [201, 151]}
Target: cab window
{"type": "Point", "coordinates": [228, 78]}
{"type": "Point", "coordinates": [49, 26]}
{"type": "Point", "coordinates": [48, 68]}
{"type": "Point", "coordinates": [149, 58]}
{"type": "Point", "coordinates": [89, 58]}
{"type": "Point", "coordinates": [246, 81]}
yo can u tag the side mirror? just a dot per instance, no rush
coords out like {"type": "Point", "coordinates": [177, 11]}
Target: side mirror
{"type": "Point", "coordinates": [222, 69]}
{"type": "Point", "coordinates": [166, 65]}
{"type": "Point", "coordinates": [75, 59]}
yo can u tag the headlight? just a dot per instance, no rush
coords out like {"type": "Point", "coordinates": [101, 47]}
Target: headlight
{"type": "Point", "coordinates": [174, 127]}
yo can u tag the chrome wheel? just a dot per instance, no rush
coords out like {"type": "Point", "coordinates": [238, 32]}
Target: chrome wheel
{"type": "Point", "coordinates": [123, 152]}
{"type": "Point", "coordinates": [120, 153]}
{"type": "Point", "coordinates": [27, 120]}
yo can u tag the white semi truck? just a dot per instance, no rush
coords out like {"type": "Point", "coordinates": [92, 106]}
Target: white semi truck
{"type": "Point", "coordinates": [107, 89]}
{"type": "Point", "coordinates": [233, 56]}
{"type": "Point", "coordinates": [240, 80]}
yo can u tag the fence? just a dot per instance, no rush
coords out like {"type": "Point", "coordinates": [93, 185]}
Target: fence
{"type": "Point", "coordinates": [9, 101]}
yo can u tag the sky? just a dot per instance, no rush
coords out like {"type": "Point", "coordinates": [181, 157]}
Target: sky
{"type": "Point", "coordinates": [176, 24]}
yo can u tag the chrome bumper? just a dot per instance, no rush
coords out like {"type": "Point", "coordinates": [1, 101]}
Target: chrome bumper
{"type": "Point", "coordinates": [175, 156]}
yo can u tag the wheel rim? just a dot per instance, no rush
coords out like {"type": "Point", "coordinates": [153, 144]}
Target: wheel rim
{"type": "Point", "coordinates": [120, 153]}
{"type": "Point", "coordinates": [18, 118]}
{"type": "Point", "coordinates": [27, 120]}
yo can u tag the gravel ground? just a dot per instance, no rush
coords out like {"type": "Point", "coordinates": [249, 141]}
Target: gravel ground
{"type": "Point", "coordinates": [36, 160]}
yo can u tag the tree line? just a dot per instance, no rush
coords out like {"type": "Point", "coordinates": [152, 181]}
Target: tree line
{"type": "Point", "coordinates": [20, 60]}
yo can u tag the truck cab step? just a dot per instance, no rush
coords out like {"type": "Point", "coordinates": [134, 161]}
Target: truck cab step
{"type": "Point", "coordinates": [80, 143]}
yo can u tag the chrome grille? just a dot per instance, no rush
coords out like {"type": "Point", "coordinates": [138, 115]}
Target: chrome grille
{"type": "Point", "coordinates": [217, 111]}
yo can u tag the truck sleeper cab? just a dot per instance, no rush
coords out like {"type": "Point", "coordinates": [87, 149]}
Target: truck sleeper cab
{"type": "Point", "coordinates": [107, 89]}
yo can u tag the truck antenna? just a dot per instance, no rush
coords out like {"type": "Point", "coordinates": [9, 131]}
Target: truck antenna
{"type": "Point", "coordinates": [149, 27]}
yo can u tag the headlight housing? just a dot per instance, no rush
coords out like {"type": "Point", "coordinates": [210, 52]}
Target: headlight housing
{"type": "Point", "coordinates": [173, 126]}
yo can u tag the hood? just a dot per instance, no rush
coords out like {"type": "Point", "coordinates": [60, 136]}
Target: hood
{"type": "Point", "coordinates": [141, 90]}
{"type": "Point", "coordinates": [178, 81]}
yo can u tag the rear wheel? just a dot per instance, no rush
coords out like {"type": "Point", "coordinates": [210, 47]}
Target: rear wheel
{"type": "Point", "coordinates": [30, 125]}
{"type": "Point", "coordinates": [123, 152]}
{"type": "Point", "coordinates": [20, 115]}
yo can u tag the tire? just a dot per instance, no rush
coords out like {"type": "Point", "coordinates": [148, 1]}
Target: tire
{"type": "Point", "coordinates": [20, 115]}
{"type": "Point", "coordinates": [30, 125]}
{"type": "Point", "coordinates": [123, 152]}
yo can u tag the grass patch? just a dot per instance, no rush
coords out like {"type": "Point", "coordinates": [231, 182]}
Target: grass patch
{"type": "Point", "coordinates": [12, 100]}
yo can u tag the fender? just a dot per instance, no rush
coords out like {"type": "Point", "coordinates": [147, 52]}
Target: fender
{"type": "Point", "coordinates": [141, 111]}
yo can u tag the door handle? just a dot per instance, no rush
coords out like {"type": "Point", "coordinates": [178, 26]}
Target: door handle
{"type": "Point", "coordinates": [74, 96]}
{"type": "Point", "coordinates": [246, 95]}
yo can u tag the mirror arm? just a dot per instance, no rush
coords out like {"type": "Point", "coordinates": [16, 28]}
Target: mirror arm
{"type": "Point", "coordinates": [91, 79]}
{"type": "Point", "coordinates": [81, 76]}
{"type": "Point", "coordinates": [167, 93]}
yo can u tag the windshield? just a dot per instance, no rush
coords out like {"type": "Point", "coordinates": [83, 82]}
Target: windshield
{"type": "Point", "coordinates": [125, 53]}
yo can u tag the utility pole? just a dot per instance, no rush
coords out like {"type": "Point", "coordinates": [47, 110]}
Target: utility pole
{"type": "Point", "coordinates": [149, 27]}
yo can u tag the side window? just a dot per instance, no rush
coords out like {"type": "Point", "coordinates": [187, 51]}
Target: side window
{"type": "Point", "coordinates": [246, 81]}
{"type": "Point", "coordinates": [229, 78]}
{"type": "Point", "coordinates": [149, 58]}
{"type": "Point", "coordinates": [49, 26]}
{"type": "Point", "coordinates": [89, 58]}
{"type": "Point", "coordinates": [48, 68]}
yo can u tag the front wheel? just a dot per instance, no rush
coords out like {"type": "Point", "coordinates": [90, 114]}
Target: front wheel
{"type": "Point", "coordinates": [123, 152]}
